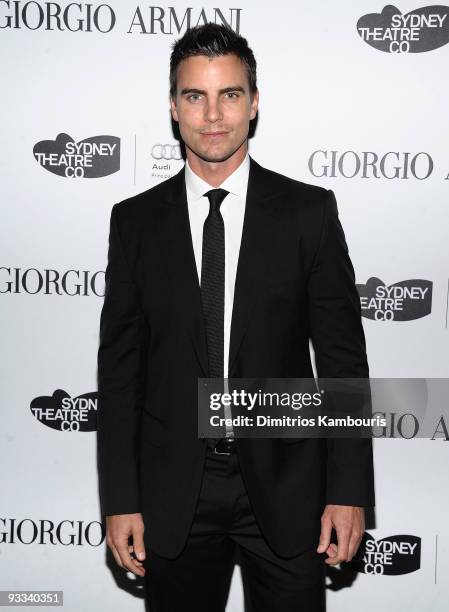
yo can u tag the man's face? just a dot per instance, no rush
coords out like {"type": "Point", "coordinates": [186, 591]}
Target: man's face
{"type": "Point", "coordinates": [213, 106]}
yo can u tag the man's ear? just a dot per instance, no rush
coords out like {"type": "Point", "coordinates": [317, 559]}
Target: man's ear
{"type": "Point", "coordinates": [254, 104]}
{"type": "Point", "coordinates": [174, 112]}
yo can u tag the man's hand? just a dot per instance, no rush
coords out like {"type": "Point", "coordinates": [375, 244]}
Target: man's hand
{"type": "Point", "coordinates": [118, 529]}
{"type": "Point", "coordinates": [349, 523]}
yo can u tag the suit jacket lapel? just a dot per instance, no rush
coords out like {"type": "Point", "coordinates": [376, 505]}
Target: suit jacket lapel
{"type": "Point", "coordinates": [259, 227]}
{"type": "Point", "coordinates": [181, 266]}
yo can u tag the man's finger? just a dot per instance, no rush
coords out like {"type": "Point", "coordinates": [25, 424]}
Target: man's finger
{"type": "Point", "coordinates": [325, 535]}
{"type": "Point", "coordinates": [132, 553]}
{"type": "Point", "coordinates": [354, 543]}
{"type": "Point", "coordinates": [332, 550]}
{"type": "Point", "coordinates": [127, 560]}
{"type": "Point", "coordinates": [116, 555]}
{"type": "Point", "coordinates": [358, 528]}
{"type": "Point", "coordinates": [139, 547]}
{"type": "Point", "coordinates": [343, 533]}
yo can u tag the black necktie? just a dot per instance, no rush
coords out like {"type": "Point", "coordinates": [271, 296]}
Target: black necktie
{"type": "Point", "coordinates": [213, 281]}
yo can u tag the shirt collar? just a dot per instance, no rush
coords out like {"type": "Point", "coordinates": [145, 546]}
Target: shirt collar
{"type": "Point", "coordinates": [236, 182]}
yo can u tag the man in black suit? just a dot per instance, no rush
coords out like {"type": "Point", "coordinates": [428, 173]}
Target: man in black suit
{"type": "Point", "coordinates": [180, 306]}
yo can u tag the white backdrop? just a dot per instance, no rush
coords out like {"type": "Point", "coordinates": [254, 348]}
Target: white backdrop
{"type": "Point", "coordinates": [322, 88]}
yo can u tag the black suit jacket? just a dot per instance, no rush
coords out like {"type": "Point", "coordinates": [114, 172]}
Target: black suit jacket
{"type": "Point", "coordinates": [294, 281]}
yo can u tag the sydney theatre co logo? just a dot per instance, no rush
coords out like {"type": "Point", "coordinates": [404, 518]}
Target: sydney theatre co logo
{"type": "Point", "coordinates": [404, 301]}
{"type": "Point", "coordinates": [92, 157]}
{"type": "Point", "coordinates": [423, 29]}
{"type": "Point", "coordinates": [392, 556]}
{"type": "Point", "coordinates": [64, 413]}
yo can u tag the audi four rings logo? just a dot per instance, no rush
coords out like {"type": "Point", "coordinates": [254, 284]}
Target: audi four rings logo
{"type": "Point", "coordinates": [166, 151]}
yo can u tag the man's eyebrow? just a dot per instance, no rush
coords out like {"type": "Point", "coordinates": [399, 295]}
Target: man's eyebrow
{"type": "Point", "coordinates": [193, 90]}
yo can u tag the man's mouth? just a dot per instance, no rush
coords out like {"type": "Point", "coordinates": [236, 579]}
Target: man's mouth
{"type": "Point", "coordinates": [214, 134]}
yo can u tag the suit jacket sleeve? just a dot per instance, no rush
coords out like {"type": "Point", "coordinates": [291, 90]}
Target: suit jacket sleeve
{"type": "Point", "coordinates": [121, 354]}
{"type": "Point", "coordinates": [340, 352]}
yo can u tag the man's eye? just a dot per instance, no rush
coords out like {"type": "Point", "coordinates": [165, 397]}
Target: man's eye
{"type": "Point", "coordinates": [194, 97]}
{"type": "Point", "coordinates": [232, 94]}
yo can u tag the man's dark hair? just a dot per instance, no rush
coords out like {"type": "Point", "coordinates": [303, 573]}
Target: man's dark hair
{"type": "Point", "coordinates": [212, 40]}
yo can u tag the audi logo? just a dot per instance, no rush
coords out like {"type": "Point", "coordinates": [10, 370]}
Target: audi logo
{"type": "Point", "coordinates": [166, 151]}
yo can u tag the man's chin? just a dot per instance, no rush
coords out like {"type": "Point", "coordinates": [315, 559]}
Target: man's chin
{"type": "Point", "coordinates": [214, 157]}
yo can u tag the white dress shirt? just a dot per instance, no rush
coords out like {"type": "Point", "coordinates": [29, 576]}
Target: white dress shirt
{"type": "Point", "coordinates": [233, 211]}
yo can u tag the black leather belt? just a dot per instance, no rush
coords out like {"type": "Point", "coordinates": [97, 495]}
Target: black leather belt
{"type": "Point", "coordinates": [223, 446]}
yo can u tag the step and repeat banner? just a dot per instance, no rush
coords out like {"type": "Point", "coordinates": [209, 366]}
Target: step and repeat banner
{"type": "Point", "coordinates": [353, 97]}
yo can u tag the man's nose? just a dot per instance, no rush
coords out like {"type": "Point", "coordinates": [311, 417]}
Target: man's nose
{"type": "Point", "coordinates": [213, 111]}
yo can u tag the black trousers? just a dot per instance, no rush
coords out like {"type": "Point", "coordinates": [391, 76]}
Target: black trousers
{"type": "Point", "coordinates": [224, 530]}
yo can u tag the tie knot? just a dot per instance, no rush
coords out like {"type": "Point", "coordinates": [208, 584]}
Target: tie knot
{"type": "Point", "coordinates": [216, 197]}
